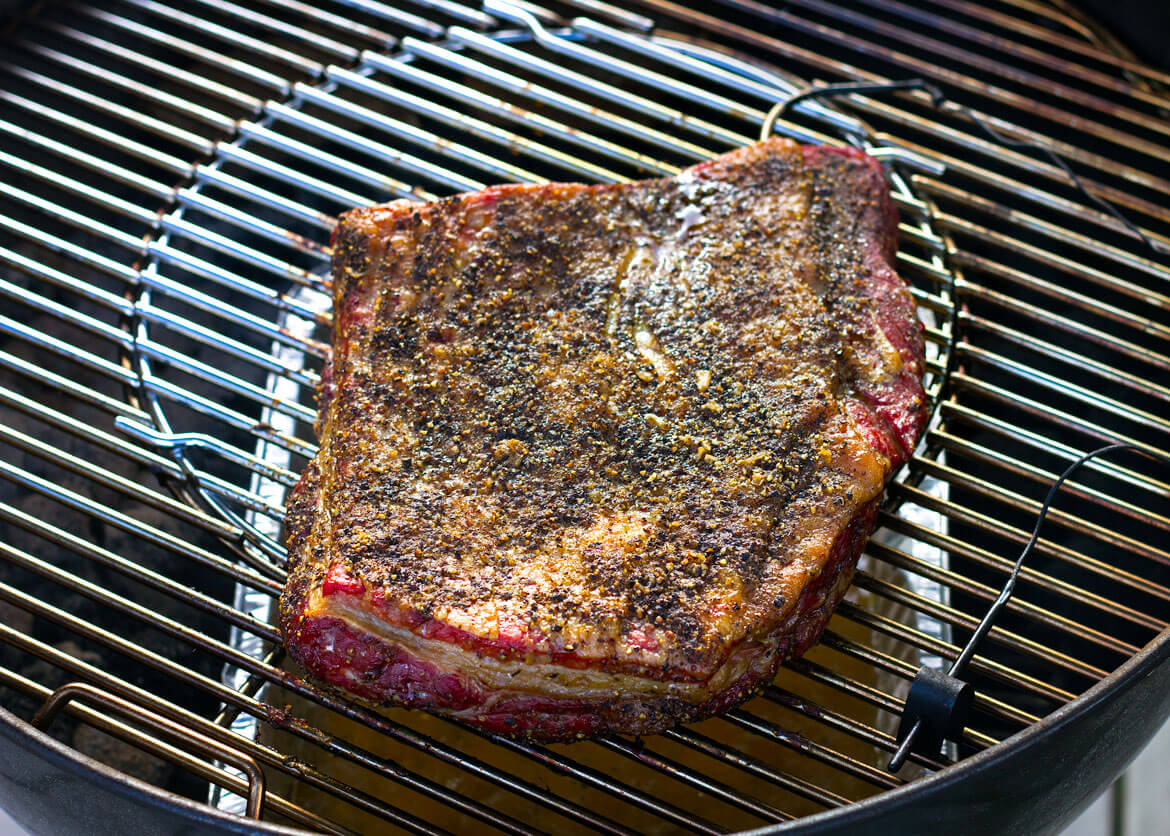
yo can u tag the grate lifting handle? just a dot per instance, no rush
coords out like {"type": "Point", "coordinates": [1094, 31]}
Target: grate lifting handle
{"type": "Point", "coordinates": [938, 100]}
{"type": "Point", "coordinates": [81, 691]}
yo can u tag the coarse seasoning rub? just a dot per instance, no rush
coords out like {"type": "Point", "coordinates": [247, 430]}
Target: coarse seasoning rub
{"type": "Point", "coordinates": [599, 458]}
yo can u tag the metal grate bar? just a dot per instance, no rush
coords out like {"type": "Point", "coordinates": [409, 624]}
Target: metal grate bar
{"type": "Point", "coordinates": [950, 652]}
{"type": "Point", "coordinates": [710, 786]}
{"type": "Point", "coordinates": [1041, 653]}
{"type": "Point", "coordinates": [1016, 535]}
{"type": "Point", "coordinates": [917, 66]}
{"type": "Point", "coordinates": [146, 743]}
{"type": "Point", "coordinates": [87, 432]}
{"type": "Point", "coordinates": [225, 245]}
{"type": "Point", "coordinates": [870, 695]}
{"type": "Point", "coordinates": [1048, 36]}
{"type": "Point", "coordinates": [243, 238]}
{"type": "Point", "coordinates": [626, 69]}
{"type": "Point", "coordinates": [1085, 334]}
{"type": "Point", "coordinates": [959, 583]}
{"type": "Point", "coordinates": [348, 27]}
{"type": "Point", "coordinates": [821, 62]}
{"type": "Point", "coordinates": [455, 11]}
{"type": "Point", "coordinates": [475, 128]}
{"type": "Point", "coordinates": [1041, 199]}
{"type": "Point", "coordinates": [866, 693]}
{"type": "Point", "coordinates": [231, 417]}
{"type": "Point", "coordinates": [94, 164]}
{"type": "Point", "coordinates": [126, 567]}
{"type": "Point", "coordinates": [149, 533]}
{"type": "Point", "coordinates": [85, 129]}
{"type": "Point", "coordinates": [1028, 282]}
{"type": "Point", "coordinates": [1029, 406]}
{"type": "Point", "coordinates": [228, 382]}
{"type": "Point", "coordinates": [764, 93]}
{"type": "Point", "coordinates": [1050, 382]}
{"type": "Point", "coordinates": [229, 280]}
{"type": "Point", "coordinates": [799, 743]}
{"type": "Point", "coordinates": [995, 153]}
{"type": "Point", "coordinates": [77, 667]}
{"type": "Point", "coordinates": [644, 106]}
{"type": "Point", "coordinates": [60, 280]}
{"type": "Point", "coordinates": [990, 705]}
{"type": "Point", "coordinates": [163, 129]}
{"type": "Point", "coordinates": [1015, 50]}
{"type": "Point", "coordinates": [1052, 447]}
{"type": "Point", "coordinates": [252, 192]}
{"type": "Point", "coordinates": [281, 28]}
{"type": "Point", "coordinates": [230, 36]}
{"type": "Point", "coordinates": [316, 156]}
{"type": "Point", "coordinates": [66, 248]}
{"type": "Point", "coordinates": [235, 316]}
{"type": "Point", "coordinates": [172, 628]}
{"type": "Point", "coordinates": [366, 759]}
{"type": "Point", "coordinates": [196, 201]}
{"type": "Point", "coordinates": [1043, 477]}
{"type": "Point", "coordinates": [494, 106]}
{"type": "Point", "coordinates": [592, 778]}
{"type": "Point", "coordinates": [66, 350]}
{"type": "Point", "coordinates": [271, 82]}
{"type": "Point", "coordinates": [334, 193]}
{"type": "Point", "coordinates": [83, 322]}
{"type": "Point", "coordinates": [152, 96]}
{"type": "Point", "coordinates": [385, 153]}
{"type": "Point", "coordinates": [75, 219]}
{"type": "Point", "coordinates": [113, 481]}
{"type": "Point", "coordinates": [171, 74]}
{"type": "Point", "coordinates": [1042, 580]}
{"type": "Point", "coordinates": [953, 55]}
{"type": "Point", "coordinates": [1050, 230]}
{"type": "Point", "coordinates": [215, 339]}
{"type": "Point", "coordinates": [713, 749]}
{"type": "Point", "coordinates": [836, 720]}
{"type": "Point", "coordinates": [83, 394]}
{"type": "Point", "coordinates": [193, 441]}
{"type": "Point", "coordinates": [548, 96]}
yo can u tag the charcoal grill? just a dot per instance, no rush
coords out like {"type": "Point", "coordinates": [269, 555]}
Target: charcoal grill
{"type": "Point", "coordinates": [171, 176]}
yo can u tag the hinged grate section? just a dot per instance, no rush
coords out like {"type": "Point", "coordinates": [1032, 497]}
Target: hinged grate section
{"type": "Point", "coordinates": [172, 176]}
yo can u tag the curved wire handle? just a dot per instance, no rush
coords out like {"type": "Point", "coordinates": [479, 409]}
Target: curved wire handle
{"type": "Point", "coordinates": [820, 91]}
{"type": "Point", "coordinates": [938, 99]}
{"type": "Point", "coordinates": [84, 692]}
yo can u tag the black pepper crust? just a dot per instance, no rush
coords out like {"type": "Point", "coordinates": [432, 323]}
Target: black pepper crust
{"type": "Point", "coordinates": [603, 413]}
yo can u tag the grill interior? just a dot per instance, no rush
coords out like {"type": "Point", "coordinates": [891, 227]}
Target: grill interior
{"type": "Point", "coordinates": [171, 176]}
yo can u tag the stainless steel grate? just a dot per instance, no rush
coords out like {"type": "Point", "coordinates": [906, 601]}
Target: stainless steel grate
{"type": "Point", "coordinates": [172, 173]}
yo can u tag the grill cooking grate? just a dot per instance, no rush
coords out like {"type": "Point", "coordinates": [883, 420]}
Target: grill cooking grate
{"type": "Point", "coordinates": [172, 173]}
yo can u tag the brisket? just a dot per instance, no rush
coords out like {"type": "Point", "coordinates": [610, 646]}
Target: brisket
{"type": "Point", "coordinates": [599, 458]}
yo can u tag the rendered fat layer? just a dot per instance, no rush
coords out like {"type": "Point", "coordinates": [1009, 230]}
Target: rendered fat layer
{"type": "Point", "coordinates": [524, 677]}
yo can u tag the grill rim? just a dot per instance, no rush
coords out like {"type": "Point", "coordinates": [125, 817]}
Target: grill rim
{"type": "Point", "coordinates": [99, 777]}
{"type": "Point", "coordinates": [990, 765]}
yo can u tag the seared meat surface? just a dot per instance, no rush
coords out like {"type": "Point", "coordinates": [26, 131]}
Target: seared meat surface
{"type": "Point", "coordinates": [601, 457]}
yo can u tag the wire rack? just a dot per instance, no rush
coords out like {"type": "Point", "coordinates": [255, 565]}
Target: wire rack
{"type": "Point", "coordinates": [175, 174]}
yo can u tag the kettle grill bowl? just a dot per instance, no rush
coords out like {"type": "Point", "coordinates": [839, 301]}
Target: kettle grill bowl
{"type": "Point", "coordinates": [163, 238]}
